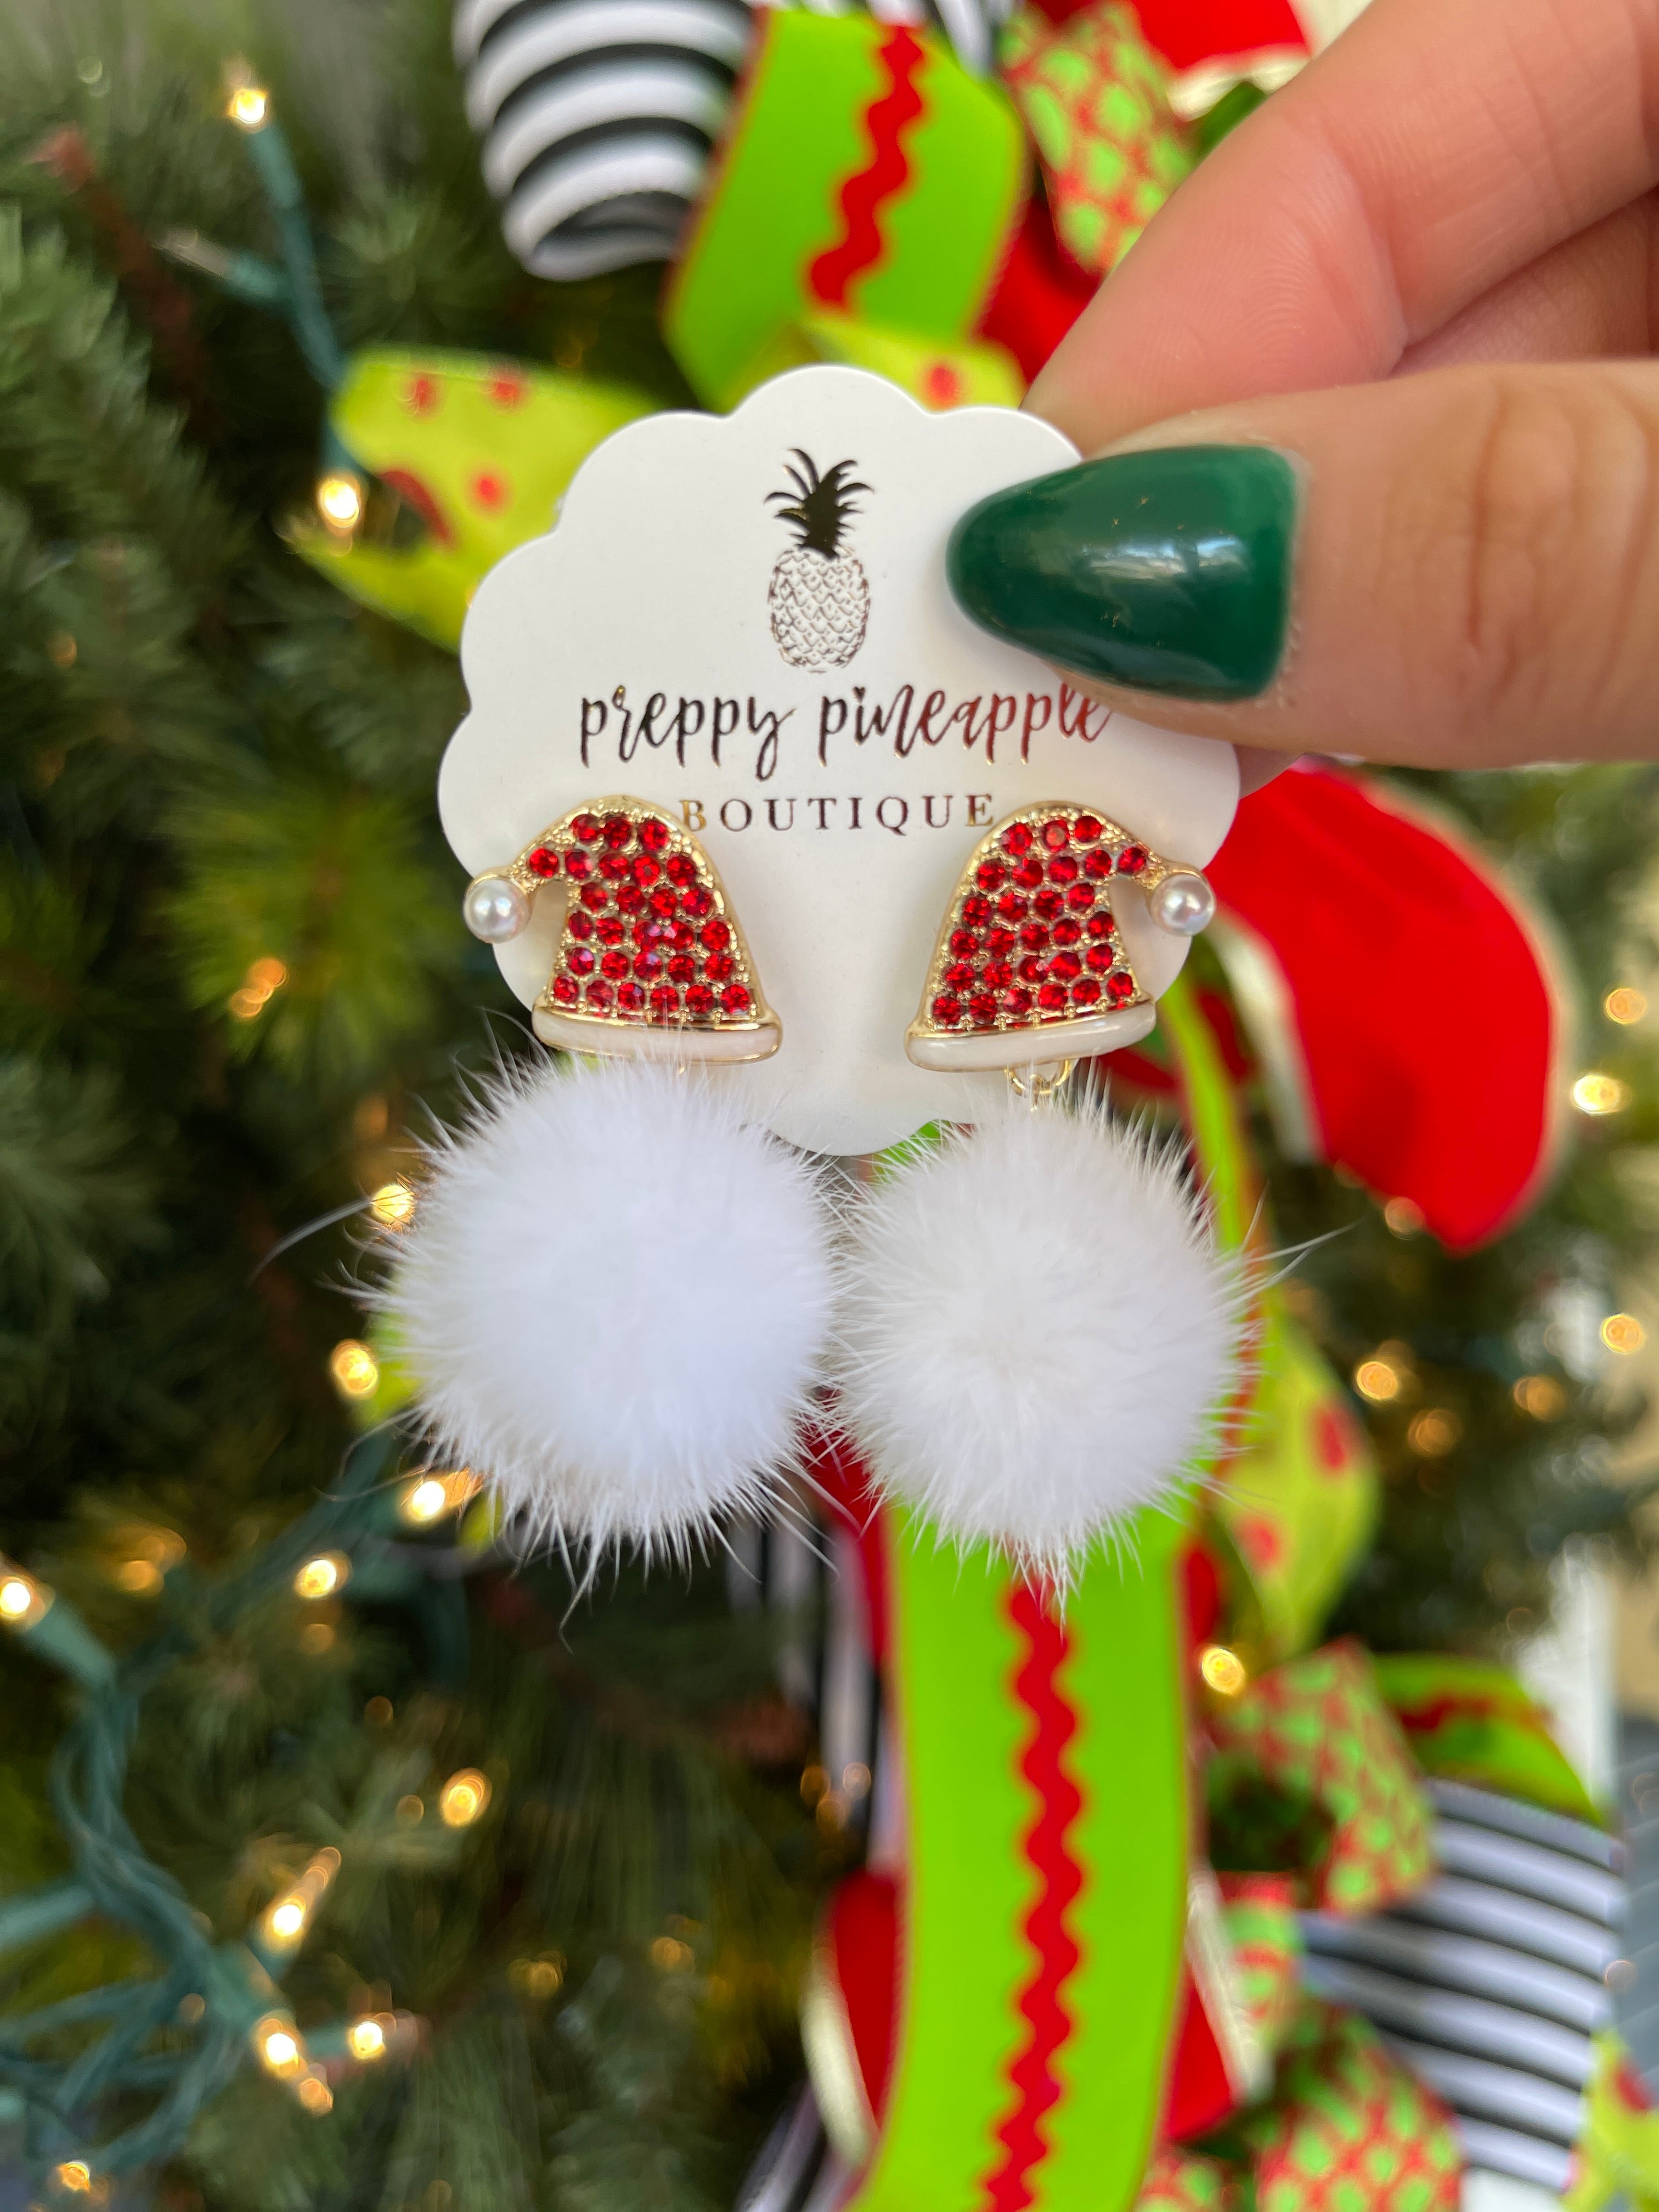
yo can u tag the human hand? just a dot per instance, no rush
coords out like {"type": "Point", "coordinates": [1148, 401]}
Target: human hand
{"type": "Point", "coordinates": [1444, 550]}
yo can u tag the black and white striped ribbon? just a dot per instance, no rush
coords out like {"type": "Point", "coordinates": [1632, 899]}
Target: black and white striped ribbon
{"type": "Point", "coordinates": [598, 117]}
{"type": "Point", "coordinates": [1491, 1982]}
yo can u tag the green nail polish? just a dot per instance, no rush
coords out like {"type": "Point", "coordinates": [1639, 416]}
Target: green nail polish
{"type": "Point", "coordinates": [1164, 570]}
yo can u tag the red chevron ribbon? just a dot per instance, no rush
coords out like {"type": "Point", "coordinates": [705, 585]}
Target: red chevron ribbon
{"type": "Point", "coordinates": [888, 171]}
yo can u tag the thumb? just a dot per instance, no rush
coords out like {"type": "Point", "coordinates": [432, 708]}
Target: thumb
{"type": "Point", "coordinates": [1455, 570]}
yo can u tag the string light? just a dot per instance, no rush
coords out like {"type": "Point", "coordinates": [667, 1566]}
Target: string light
{"type": "Point", "coordinates": [537, 1978]}
{"type": "Point", "coordinates": [286, 1918]}
{"type": "Point", "coordinates": [340, 500]}
{"type": "Point", "coordinates": [670, 1954]}
{"type": "Point", "coordinates": [248, 107]}
{"type": "Point", "coordinates": [277, 2044]}
{"type": "Point", "coordinates": [314, 2092]}
{"type": "Point", "coordinates": [1596, 1093]}
{"type": "Point", "coordinates": [1434, 1433]}
{"type": "Point", "coordinates": [1624, 1004]}
{"type": "Point", "coordinates": [1622, 1333]}
{"type": "Point", "coordinates": [1403, 1217]}
{"type": "Point", "coordinates": [1541, 1396]}
{"type": "Point", "coordinates": [264, 977]}
{"type": "Point", "coordinates": [354, 1368]}
{"type": "Point", "coordinates": [392, 1203]}
{"type": "Point", "coordinates": [464, 1798]}
{"type": "Point", "coordinates": [23, 1600]}
{"type": "Point", "coordinates": [1224, 1670]}
{"type": "Point", "coordinates": [366, 2040]}
{"type": "Point", "coordinates": [428, 1498]}
{"type": "Point", "coordinates": [322, 1576]}
{"type": "Point", "coordinates": [1378, 1380]}
{"type": "Point", "coordinates": [74, 2175]}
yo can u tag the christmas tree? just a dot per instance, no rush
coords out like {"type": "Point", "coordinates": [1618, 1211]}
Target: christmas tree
{"type": "Point", "coordinates": [532, 1868]}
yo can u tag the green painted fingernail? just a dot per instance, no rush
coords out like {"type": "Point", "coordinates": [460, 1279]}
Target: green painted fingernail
{"type": "Point", "coordinates": [1164, 570]}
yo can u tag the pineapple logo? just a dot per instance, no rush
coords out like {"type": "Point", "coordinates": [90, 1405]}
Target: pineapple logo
{"type": "Point", "coordinates": [819, 596]}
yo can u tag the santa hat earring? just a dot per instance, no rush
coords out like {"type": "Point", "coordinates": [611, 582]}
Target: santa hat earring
{"type": "Point", "coordinates": [614, 1291]}
{"type": "Point", "coordinates": [1039, 1326]}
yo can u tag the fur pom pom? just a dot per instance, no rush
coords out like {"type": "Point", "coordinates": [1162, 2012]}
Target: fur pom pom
{"type": "Point", "coordinates": [613, 1295]}
{"type": "Point", "coordinates": [1039, 1332]}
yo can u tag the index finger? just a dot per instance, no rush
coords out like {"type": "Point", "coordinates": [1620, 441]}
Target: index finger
{"type": "Point", "coordinates": [1436, 148]}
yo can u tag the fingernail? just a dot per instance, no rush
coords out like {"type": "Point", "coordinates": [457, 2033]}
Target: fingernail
{"type": "Point", "coordinates": [1167, 569]}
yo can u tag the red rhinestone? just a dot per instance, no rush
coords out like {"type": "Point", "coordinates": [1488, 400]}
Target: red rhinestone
{"type": "Point", "coordinates": [990, 875]}
{"type": "Point", "coordinates": [1030, 969]}
{"type": "Point", "coordinates": [608, 929]}
{"type": "Point", "coordinates": [664, 1003]}
{"type": "Point", "coordinates": [617, 832]}
{"type": "Point", "coordinates": [1016, 1003]}
{"type": "Point", "coordinates": [580, 924]}
{"type": "Point", "coordinates": [1057, 834]}
{"type": "Point", "coordinates": [663, 903]}
{"type": "Point", "coordinates": [1029, 873]}
{"type": "Point", "coordinates": [1011, 907]}
{"type": "Point", "coordinates": [999, 975]}
{"type": "Point", "coordinates": [647, 967]}
{"type": "Point", "coordinates": [630, 998]}
{"type": "Point", "coordinates": [1067, 931]}
{"type": "Point", "coordinates": [682, 969]}
{"type": "Point", "coordinates": [654, 835]}
{"type": "Point", "coordinates": [565, 993]}
{"type": "Point", "coordinates": [1101, 924]}
{"type": "Point", "coordinates": [697, 901]}
{"type": "Point", "coordinates": [630, 898]}
{"type": "Point", "coordinates": [1017, 838]}
{"type": "Point", "coordinates": [595, 895]}
{"type": "Point", "coordinates": [699, 1002]}
{"type": "Point", "coordinates": [981, 1010]}
{"type": "Point", "coordinates": [1087, 830]}
{"type": "Point", "coordinates": [1132, 861]}
{"type": "Point", "coordinates": [947, 1011]}
{"type": "Point", "coordinates": [1048, 904]}
{"type": "Point", "coordinates": [1065, 968]}
{"type": "Point", "coordinates": [1098, 865]}
{"type": "Point", "coordinates": [1051, 999]}
{"type": "Point", "coordinates": [1063, 868]}
{"type": "Point", "coordinates": [999, 941]}
{"type": "Point", "coordinates": [681, 935]}
{"type": "Point", "coordinates": [647, 930]}
{"type": "Point", "coordinates": [1081, 895]}
{"type": "Point", "coordinates": [1086, 992]}
{"type": "Point", "coordinates": [613, 867]}
{"type": "Point", "coordinates": [1103, 958]}
{"type": "Point", "coordinates": [614, 964]}
{"type": "Point", "coordinates": [544, 861]}
{"type": "Point", "coordinates": [579, 960]}
{"type": "Point", "coordinates": [963, 944]}
{"type": "Point", "coordinates": [585, 827]}
{"type": "Point", "coordinates": [735, 1000]}
{"type": "Point", "coordinates": [680, 868]}
{"type": "Point", "coordinates": [975, 911]}
{"type": "Point", "coordinates": [577, 866]}
{"type": "Point", "coordinates": [1034, 937]}
{"type": "Point", "coordinates": [720, 967]}
{"type": "Point", "coordinates": [644, 870]}
{"type": "Point", "coordinates": [959, 976]}
{"type": "Point", "coordinates": [715, 934]}
{"type": "Point", "coordinates": [1121, 987]}
{"type": "Point", "coordinates": [598, 996]}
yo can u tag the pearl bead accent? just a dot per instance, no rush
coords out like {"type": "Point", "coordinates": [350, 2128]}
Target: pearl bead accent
{"type": "Point", "coordinates": [1182, 903]}
{"type": "Point", "coordinates": [494, 908]}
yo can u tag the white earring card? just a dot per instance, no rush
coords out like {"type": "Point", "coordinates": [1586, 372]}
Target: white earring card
{"type": "Point", "coordinates": [745, 622]}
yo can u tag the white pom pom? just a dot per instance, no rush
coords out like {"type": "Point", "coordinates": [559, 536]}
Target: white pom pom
{"type": "Point", "coordinates": [613, 1295]}
{"type": "Point", "coordinates": [1039, 1332]}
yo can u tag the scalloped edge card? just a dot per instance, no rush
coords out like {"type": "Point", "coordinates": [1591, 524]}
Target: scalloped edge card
{"type": "Point", "coordinates": [740, 625]}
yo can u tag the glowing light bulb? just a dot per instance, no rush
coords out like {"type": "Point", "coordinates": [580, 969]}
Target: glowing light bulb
{"type": "Point", "coordinates": [1624, 1004]}
{"type": "Point", "coordinates": [463, 1798]}
{"type": "Point", "coordinates": [354, 1369]}
{"type": "Point", "coordinates": [340, 500]}
{"type": "Point", "coordinates": [288, 1919]}
{"type": "Point", "coordinates": [424, 1501]}
{"type": "Point", "coordinates": [366, 2040]}
{"type": "Point", "coordinates": [322, 1576]}
{"type": "Point", "coordinates": [16, 1598]}
{"type": "Point", "coordinates": [1595, 1094]}
{"type": "Point", "coordinates": [279, 2048]}
{"type": "Point", "coordinates": [392, 1203]}
{"type": "Point", "coordinates": [1224, 1670]}
{"type": "Point", "coordinates": [1378, 1380]}
{"type": "Point", "coordinates": [74, 2175]}
{"type": "Point", "coordinates": [249, 108]}
{"type": "Point", "coordinates": [23, 1600]}
{"type": "Point", "coordinates": [314, 2094]}
{"type": "Point", "coordinates": [1622, 1333]}
{"type": "Point", "coordinates": [1434, 1433]}
{"type": "Point", "coordinates": [1541, 1396]}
